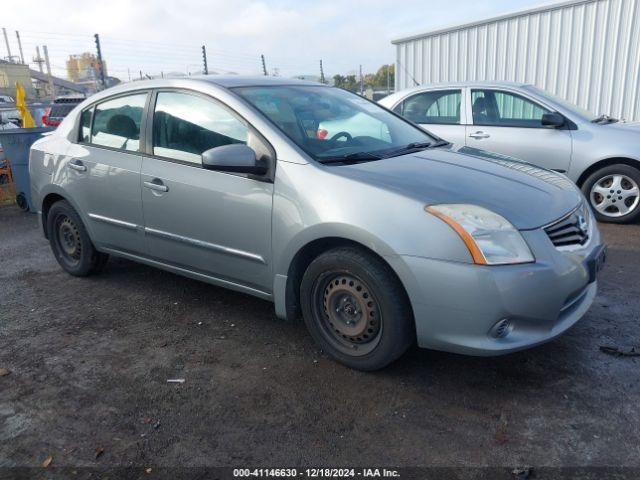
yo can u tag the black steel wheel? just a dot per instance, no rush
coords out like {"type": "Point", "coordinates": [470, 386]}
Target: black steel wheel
{"type": "Point", "coordinates": [352, 317]}
{"type": "Point", "coordinates": [70, 241]}
{"type": "Point", "coordinates": [356, 309]}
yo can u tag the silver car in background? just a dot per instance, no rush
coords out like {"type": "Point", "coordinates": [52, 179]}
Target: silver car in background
{"type": "Point", "coordinates": [377, 239]}
{"type": "Point", "coordinates": [599, 153]}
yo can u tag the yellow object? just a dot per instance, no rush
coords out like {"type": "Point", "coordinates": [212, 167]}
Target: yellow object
{"type": "Point", "coordinates": [21, 105]}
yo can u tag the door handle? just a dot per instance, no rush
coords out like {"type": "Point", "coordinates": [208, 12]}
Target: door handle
{"type": "Point", "coordinates": [479, 135]}
{"type": "Point", "coordinates": [156, 185]}
{"type": "Point", "coordinates": [77, 166]}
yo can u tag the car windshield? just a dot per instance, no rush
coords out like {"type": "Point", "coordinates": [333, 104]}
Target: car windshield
{"type": "Point", "coordinates": [332, 125]}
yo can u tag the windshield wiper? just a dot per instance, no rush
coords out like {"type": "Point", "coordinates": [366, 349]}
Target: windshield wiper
{"type": "Point", "coordinates": [439, 143]}
{"type": "Point", "coordinates": [352, 157]}
{"type": "Point", "coordinates": [415, 147]}
{"type": "Point", "coordinates": [604, 119]}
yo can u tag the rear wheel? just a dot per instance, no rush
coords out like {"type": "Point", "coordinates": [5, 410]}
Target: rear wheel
{"type": "Point", "coordinates": [614, 193]}
{"type": "Point", "coordinates": [356, 309]}
{"type": "Point", "coordinates": [70, 241]}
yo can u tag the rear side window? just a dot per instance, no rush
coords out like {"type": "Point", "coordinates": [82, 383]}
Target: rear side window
{"type": "Point", "coordinates": [186, 125]}
{"type": "Point", "coordinates": [437, 107]}
{"type": "Point", "coordinates": [505, 109]}
{"type": "Point", "coordinates": [116, 122]}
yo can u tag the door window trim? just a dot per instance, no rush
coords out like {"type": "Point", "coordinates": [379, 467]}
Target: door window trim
{"type": "Point", "coordinates": [147, 148]}
{"type": "Point", "coordinates": [143, 120]}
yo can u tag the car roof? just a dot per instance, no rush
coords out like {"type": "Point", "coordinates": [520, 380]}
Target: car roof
{"type": "Point", "coordinates": [230, 81]}
{"type": "Point", "coordinates": [470, 83]}
{"type": "Point", "coordinates": [219, 81]}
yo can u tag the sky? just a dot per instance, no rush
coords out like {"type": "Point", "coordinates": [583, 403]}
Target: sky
{"type": "Point", "coordinates": [155, 36]}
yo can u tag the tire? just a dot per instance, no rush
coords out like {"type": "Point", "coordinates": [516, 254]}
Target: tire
{"type": "Point", "coordinates": [356, 309]}
{"type": "Point", "coordinates": [614, 193]}
{"type": "Point", "coordinates": [70, 241]}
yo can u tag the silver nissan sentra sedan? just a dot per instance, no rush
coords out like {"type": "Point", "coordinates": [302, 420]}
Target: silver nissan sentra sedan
{"type": "Point", "coordinates": [376, 239]}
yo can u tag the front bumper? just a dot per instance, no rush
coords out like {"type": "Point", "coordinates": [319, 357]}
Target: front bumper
{"type": "Point", "coordinates": [457, 305]}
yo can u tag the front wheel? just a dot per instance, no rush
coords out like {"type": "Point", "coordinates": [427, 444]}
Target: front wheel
{"type": "Point", "coordinates": [70, 241]}
{"type": "Point", "coordinates": [614, 193]}
{"type": "Point", "coordinates": [356, 309]}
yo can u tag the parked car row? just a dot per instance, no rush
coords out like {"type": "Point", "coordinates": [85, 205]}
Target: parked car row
{"type": "Point", "coordinates": [374, 230]}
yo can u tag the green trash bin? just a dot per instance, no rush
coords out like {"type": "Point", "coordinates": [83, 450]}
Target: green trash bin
{"type": "Point", "coordinates": [16, 143]}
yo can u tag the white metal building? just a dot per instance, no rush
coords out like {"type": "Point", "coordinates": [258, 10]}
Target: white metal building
{"type": "Point", "coordinates": [586, 51]}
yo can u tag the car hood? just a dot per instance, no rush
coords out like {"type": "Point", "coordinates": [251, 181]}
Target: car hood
{"type": "Point", "coordinates": [526, 195]}
{"type": "Point", "coordinates": [624, 126]}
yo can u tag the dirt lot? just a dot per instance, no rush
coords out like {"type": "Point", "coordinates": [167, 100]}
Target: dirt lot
{"type": "Point", "coordinates": [89, 361]}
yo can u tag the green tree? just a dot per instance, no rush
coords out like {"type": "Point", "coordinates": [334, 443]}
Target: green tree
{"type": "Point", "coordinates": [339, 81]}
{"type": "Point", "coordinates": [381, 76]}
{"type": "Point", "coordinates": [351, 83]}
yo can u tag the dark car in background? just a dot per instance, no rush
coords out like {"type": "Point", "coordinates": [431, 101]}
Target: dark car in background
{"type": "Point", "coordinates": [59, 109]}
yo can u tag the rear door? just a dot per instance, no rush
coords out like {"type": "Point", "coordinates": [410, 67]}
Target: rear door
{"type": "Point", "coordinates": [439, 111]}
{"type": "Point", "coordinates": [509, 123]}
{"type": "Point", "coordinates": [207, 221]}
{"type": "Point", "coordinates": [102, 171]}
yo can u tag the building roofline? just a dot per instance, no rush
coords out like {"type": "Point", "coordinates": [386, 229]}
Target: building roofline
{"type": "Point", "coordinates": [547, 7]}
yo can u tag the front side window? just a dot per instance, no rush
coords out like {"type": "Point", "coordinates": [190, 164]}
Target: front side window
{"type": "Point", "coordinates": [186, 125]}
{"type": "Point", "coordinates": [116, 122]}
{"type": "Point", "coordinates": [438, 107]}
{"type": "Point", "coordinates": [505, 109]}
{"type": "Point", "coordinates": [330, 123]}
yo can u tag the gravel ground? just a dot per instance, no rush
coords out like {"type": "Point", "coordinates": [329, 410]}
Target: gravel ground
{"type": "Point", "coordinates": [89, 361]}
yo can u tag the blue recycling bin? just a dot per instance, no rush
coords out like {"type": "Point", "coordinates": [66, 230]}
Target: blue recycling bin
{"type": "Point", "coordinates": [16, 143]}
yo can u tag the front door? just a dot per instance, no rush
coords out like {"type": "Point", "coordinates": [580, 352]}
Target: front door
{"type": "Point", "coordinates": [438, 111]}
{"type": "Point", "coordinates": [103, 172]}
{"type": "Point", "coordinates": [508, 123]}
{"type": "Point", "coordinates": [214, 223]}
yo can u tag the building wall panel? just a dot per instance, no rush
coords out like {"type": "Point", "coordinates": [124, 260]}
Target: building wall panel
{"type": "Point", "coordinates": [586, 51]}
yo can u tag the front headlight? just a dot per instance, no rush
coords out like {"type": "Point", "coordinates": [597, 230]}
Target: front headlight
{"type": "Point", "coordinates": [490, 238]}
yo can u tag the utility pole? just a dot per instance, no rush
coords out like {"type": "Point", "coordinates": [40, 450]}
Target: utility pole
{"type": "Point", "coordinates": [264, 66]}
{"type": "Point", "coordinates": [20, 47]}
{"type": "Point", "coordinates": [52, 90]}
{"type": "Point", "coordinates": [6, 41]}
{"type": "Point", "coordinates": [100, 65]}
{"type": "Point", "coordinates": [204, 60]}
{"type": "Point", "coordinates": [39, 60]}
{"type": "Point", "coordinates": [140, 74]}
{"type": "Point", "coordinates": [361, 82]}
{"type": "Point", "coordinates": [321, 73]}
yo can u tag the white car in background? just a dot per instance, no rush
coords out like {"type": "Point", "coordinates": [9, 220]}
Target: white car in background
{"type": "Point", "coordinates": [599, 153]}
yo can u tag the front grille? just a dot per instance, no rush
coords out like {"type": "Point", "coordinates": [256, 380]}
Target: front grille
{"type": "Point", "coordinates": [572, 230]}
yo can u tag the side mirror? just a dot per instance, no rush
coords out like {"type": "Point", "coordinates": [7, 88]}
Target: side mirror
{"type": "Point", "coordinates": [236, 157]}
{"type": "Point", "coordinates": [553, 120]}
